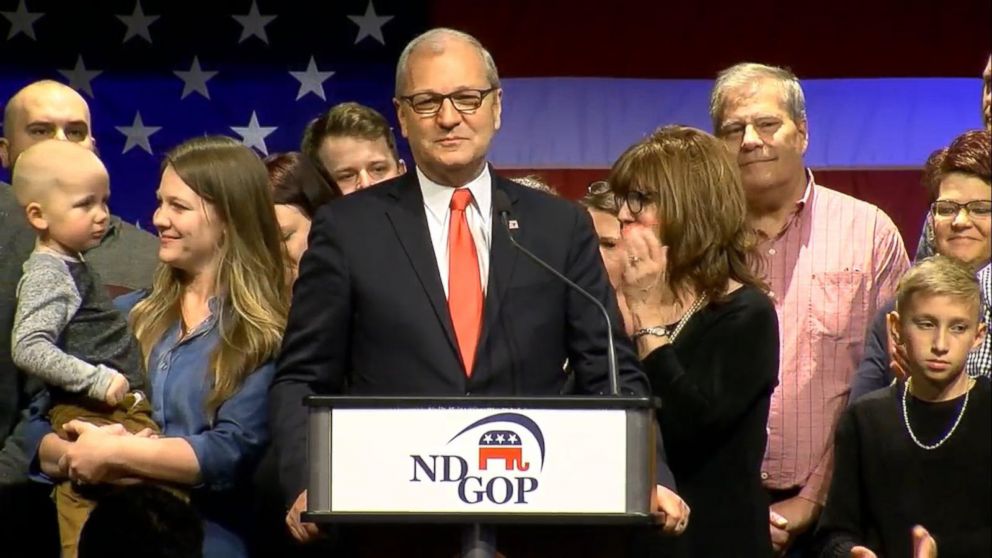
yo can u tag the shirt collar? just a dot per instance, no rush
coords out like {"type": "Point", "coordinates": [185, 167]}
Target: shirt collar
{"type": "Point", "coordinates": [78, 258]}
{"type": "Point", "coordinates": [113, 230]}
{"type": "Point", "coordinates": [985, 285]}
{"type": "Point", "coordinates": [807, 193]}
{"type": "Point", "coordinates": [113, 226]}
{"type": "Point", "coordinates": [216, 305]}
{"type": "Point", "coordinates": [801, 204]}
{"type": "Point", "coordinates": [437, 198]}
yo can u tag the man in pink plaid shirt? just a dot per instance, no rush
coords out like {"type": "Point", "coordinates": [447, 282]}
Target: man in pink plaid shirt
{"type": "Point", "coordinates": [830, 261]}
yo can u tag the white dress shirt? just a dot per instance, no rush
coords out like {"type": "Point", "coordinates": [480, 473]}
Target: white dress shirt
{"type": "Point", "coordinates": [437, 201]}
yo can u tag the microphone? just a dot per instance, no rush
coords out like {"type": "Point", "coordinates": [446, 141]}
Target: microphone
{"type": "Point", "coordinates": [502, 206]}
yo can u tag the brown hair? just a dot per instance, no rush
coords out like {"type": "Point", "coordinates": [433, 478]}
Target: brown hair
{"type": "Point", "coordinates": [697, 186]}
{"type": "Point", "coordinates": [970, 153]}
{"type": "Point", "coordinates": [252, 316]}
{"type": "Point", "coordinates": [931, 173]}
{"type": "Point", "coordinates": [347, 120]}
{"type": "Point", "coordinates": [939, 276]}
{"type": "Point", "coordinates": [296, 181]}
{"type": "Point", "coordinates": [600, 197]}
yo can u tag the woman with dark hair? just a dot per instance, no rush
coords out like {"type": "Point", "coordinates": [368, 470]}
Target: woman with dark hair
{"type": "Point", "coordinates": [298, 190]}
{"type": "Point", "coordinates": [925, 247]}
{"type": "Point", "coordinates": [706, 332]}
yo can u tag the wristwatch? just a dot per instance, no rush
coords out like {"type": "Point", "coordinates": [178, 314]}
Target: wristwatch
{"type": "Point", "coordinates": [656, 331]}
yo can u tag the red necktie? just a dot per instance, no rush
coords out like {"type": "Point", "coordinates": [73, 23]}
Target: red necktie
{"type": "Point", "coordinates": [464, 285]}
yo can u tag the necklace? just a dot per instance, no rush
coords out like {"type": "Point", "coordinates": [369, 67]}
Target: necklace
{"type": "Point", "coordinates": [685, 318]}
{"type": "Point", "coordinates": [905, 418]}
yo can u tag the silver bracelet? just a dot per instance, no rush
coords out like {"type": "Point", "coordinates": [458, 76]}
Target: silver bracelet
{"type": "Point", "coordinates": [655, 331]}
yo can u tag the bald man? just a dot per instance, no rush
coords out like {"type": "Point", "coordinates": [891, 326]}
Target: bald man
{"type": "Point", "coordinates": [44, 110]}
{"type": "Point", "coordinates": [125, 256]}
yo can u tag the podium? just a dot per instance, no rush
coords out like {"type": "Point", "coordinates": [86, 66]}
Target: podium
{"type": "Point", "coordinates": [481, 462]}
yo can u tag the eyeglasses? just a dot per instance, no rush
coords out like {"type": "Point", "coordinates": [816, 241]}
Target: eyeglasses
{"type": "Point", "coordinates": [947, 209]}
{"type": "Point", "coordinates": [465, 101]}
{"type": "Point", "coordinates": [635, 200]}
{"type": "Point", "coordinates": [598, 187]}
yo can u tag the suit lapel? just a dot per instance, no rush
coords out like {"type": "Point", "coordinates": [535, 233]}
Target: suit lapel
{"type": "Point", "coordinates": [502, 259]}
{"type": "Point", "coordinates": [410, 224]}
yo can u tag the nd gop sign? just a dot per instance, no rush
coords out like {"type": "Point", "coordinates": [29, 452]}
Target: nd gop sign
{"type": "Point", "coordinates": [497, 459]}
{"type": "Point", "coordinates": [442, 460]}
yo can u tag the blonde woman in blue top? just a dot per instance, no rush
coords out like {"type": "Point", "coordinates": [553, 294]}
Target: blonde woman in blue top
{"type": "Point", "coordinates": [208, 330]}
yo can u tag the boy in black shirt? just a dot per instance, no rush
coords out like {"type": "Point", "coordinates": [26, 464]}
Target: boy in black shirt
{"type": "Point", "coordinates": [913, 459]}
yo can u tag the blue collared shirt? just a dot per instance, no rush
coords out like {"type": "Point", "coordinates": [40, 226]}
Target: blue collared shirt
{"type": "Point", "coordinates": [229, 446]}
{"type": "Point", "coordinates": [180, 382]}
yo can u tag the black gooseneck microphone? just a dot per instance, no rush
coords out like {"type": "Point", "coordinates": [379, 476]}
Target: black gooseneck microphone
{"type": "Point", "coordinates": [502, 206]}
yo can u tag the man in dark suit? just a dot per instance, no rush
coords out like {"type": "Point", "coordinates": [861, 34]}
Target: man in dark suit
{"type": "Point", "coordinates": [412, 287]}
{"type": "Point", "coordinates": [16, 391]}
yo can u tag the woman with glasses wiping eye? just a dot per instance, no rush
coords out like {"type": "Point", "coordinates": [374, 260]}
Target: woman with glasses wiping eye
{"type": "Point", "coordinates": [705, 329]}
{"type": "Point", "coordinates": [602, 206]}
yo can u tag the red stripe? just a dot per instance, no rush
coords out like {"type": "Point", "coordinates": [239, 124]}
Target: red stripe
{"type": "Point", "coordinates": [838, 38]}
{"type": "Point", "coordinates": [897, 192]}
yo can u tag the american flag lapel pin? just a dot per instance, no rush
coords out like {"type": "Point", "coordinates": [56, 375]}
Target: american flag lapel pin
{"type": "Point", "coordinates": [513, 225]}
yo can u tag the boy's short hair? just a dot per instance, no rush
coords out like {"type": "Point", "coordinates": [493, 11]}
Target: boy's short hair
{"type": "Point", "coordinates": [351, 120]}
{"type": "Point", "coordinates": [43, 166]}
{"type": "Point", "coordinates": [939, 276]}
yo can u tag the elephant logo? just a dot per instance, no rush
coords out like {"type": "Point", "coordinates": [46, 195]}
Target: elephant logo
{"type": "Point", "coordinates": [502, 445]}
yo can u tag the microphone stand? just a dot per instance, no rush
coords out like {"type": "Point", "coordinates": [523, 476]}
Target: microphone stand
{"type": "Point", "coordinates": [478, 540]}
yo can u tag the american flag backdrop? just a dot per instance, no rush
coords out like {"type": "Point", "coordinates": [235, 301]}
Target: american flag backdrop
{"type": "Point", "coordinates": [156, 73]}
{"type": "Point", "coordinates": [887, 81]}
